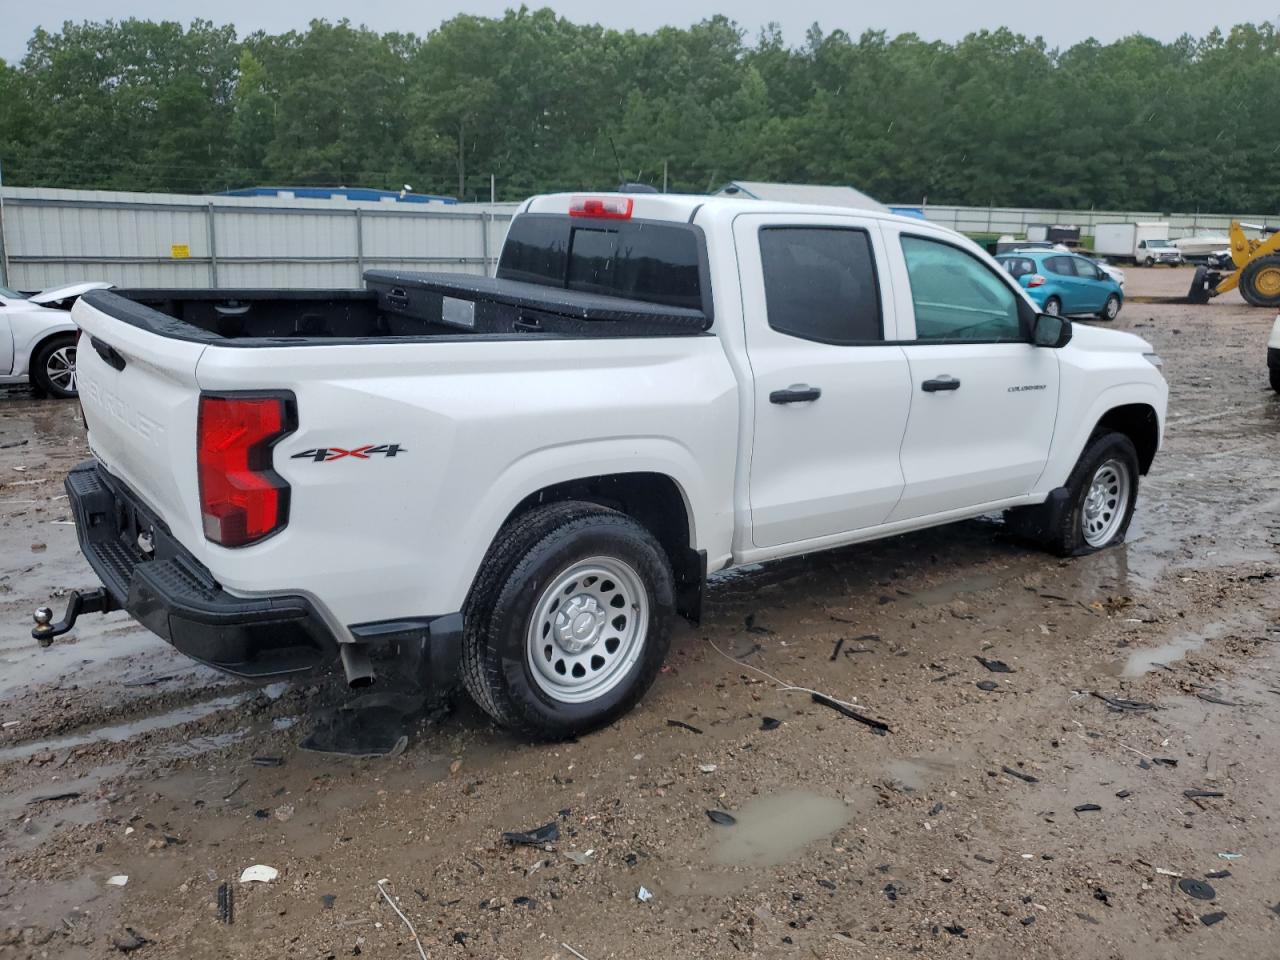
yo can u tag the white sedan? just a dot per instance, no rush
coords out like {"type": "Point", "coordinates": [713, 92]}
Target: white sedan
{"type": "Point", "coordinates": [38, 338]}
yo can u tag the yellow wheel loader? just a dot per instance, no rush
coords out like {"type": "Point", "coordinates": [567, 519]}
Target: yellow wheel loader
{"type": "Point", "coordinates": [1256, 274]}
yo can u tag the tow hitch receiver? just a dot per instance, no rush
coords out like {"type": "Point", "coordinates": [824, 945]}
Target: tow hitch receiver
{"type": "Point", "coordinates": [91, 601]}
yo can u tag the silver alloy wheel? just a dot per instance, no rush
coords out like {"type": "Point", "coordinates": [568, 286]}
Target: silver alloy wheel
{"type": "Point", "coordinates": [587, 630]}
{"type": "Point", "coordinates": [60, 369]}
{"type": "Point", "coordinates": [1053, 307]}
{"type": "Point", "coordinates": [1106, 503]}
{"type": "Point", "coordinates": [1113, 307]}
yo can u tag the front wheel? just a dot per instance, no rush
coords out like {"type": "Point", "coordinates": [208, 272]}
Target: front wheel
{"type": "Point", "coordinates": [1110, 309]}
{"type": "Point", "coordinates": [569, 620]}
{"type": "Point", "coordinates": [53, 367]}
{"type": "Point", "coordinates": [1101, 494]}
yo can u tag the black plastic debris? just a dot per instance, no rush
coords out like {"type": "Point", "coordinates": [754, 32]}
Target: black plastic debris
{"type": "Point", "coordinates": [1214, 698]}
{"type": "Point", "coordinates": [879, 726]}
{"type": "Point", "coordinates": [891, 892]}
{"type": "Point", "coordinates": [1121, 705]}
{"type": "Point", "coordinates": [549, 833]}
{"type": "Point", "coordinates": [995, 666]}
{"type": "Point", "coordinates": [51, 797]}
{"type": "Point", "coordinates": [527, 902]}
{"type": "Point", "coordinates": [683, 726]}
{"type": "Point", "coordinates": [722, 818]}
{"type": "Point", "coordinates": [327, 900]}
{"type": "Point", "coordinates": [631, 859]}
{"type": "Point", "coordinates": [1123, 794]}
{"type": "Point", "coordinates": [267, 761]}
{"type": "Point", "coordinates": [1102, 896]}
{"type": "Point", "coordinates": [753, 627]}
{"type": "Point", "coordinates": [131, 941]}
{"type": "Point", "coordinates": [460, 937]}
{"type": "Point", "coordinates": [1203, 794]}
{"type": "Point", "coordinates": [1197, 889]}
{"type": "Point", "coordinates": [1209, 919]}
{"type": "Point", "coordinates": [356, 733]}
{"type": "Point", "coordinates": [769, 723]}
{"type": "Point", "coordinates": [1086, 808]}
{"type": "Point", "coordinates": [1218, 874]}
{"type": "Point", "coordinates": [987, 685]}
{"type": "Point", "coordinates": [835, 652]}
{"type": "Point", "coordinates": [1024, 777]}
{"type": "Point", "coordinates": [827, 884]}
{"type": "Point", "coordinates": [226, 903]}
{"type": "Point", "coordinates": [956, 930]}
{"type": "Point", "coordinates": [936, 809]}
{"type": "Point", "coordinates": [1028, 921]}
{"type": "Point", "coordinates": [1164, 761]}
{"type": "Point", "coordinates": [981, 859]}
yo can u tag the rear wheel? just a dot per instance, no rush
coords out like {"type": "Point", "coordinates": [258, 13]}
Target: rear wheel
{"type": "Point", "coordinates": [569, 620]}
{"type": "Point", "coordinates": [1053, 307]}
{"type": "Point", "coordinates": [1260, 281]}
{"type": "Point", "coordinates": [53, 367]}
{"type": "Point", "coordinates": [1110, 309]}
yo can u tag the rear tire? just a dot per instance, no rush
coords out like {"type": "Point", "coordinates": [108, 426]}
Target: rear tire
{"type": "Point", "coordinates": [568, 621]}
{"type": "Point", "coordinates": [1102, 492]}
{"type": "Point", "coordinates": [1111, 309]}
{"type": "Point", "coordinates": [53, 367]}
{"type": "Point", "coordinates": [1260, 281]}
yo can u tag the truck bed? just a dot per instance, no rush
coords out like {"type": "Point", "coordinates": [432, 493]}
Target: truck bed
{"type": "Point", "coordinates": [400, 306]}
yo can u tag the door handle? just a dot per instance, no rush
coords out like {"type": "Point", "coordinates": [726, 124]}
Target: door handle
{"type": "Point", "coordinates": [940, 383]}
{"type": "Point", "coordinates": [796, 393]}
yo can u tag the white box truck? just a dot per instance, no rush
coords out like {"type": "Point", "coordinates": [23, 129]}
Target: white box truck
{"type": "Point", "coordinates": [1145, 244]}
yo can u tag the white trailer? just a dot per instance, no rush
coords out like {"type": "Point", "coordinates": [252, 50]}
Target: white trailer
{"type": "Point", "coordinates": [1145, 244]}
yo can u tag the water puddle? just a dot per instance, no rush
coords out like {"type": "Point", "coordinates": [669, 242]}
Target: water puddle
{"type": "Point", "coordinates": [952, 589]}
{"type": "Point", "coordinates": [773, 829]}
{"type": "Point", "coordinates": [916, 773]}
{"type": "Point", "coordinates": [1143, 661]}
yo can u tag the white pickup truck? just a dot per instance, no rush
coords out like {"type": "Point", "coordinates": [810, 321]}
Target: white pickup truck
{"type": "Point", "coordinates": [525, 479]}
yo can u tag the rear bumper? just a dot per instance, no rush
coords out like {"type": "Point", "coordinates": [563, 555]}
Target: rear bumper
{"type": "Point", "coordinates": [170, 593]}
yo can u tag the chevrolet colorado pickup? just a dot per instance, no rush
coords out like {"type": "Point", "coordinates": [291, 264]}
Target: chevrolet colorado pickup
{"type": "Point", "coordinates": [523, 480]}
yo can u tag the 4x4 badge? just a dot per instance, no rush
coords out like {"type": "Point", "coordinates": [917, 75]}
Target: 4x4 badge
{"type": "Point", "coordinates": [329, 454]}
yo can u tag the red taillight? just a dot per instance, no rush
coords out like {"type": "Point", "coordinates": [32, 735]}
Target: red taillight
{"type": "Point", "coordinates": [606, 208]}
{"type": "Point", "coordinates": [242, 499]}
{"type": "Point", "coordinates": [1035, 280]}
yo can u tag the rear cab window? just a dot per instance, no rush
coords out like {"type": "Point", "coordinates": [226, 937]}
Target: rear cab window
{"type": "Point", "coordinates": [820, 284]}
{"type": "Point", "coordinates": [651, 261]}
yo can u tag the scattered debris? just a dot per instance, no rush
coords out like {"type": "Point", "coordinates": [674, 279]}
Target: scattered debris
{"type": "Point", "coordinates": [132, 940]}
{"type": "Point", "coordinates": [226, 903]}
{"type": "Point", "coordinates": [1164, 872]}
{"type": "Point", "coordinates": [548, 833]}
{"type": "Point", "coordinates": [1217, 874]}
{"type": "Point", "coordinates": [259, 873]}
{"type": "Point", "coordinates": [995, 666]}
{"type": "Point", "coordinates": [527, 902]}
{"type": "Point", "coordinates": [50, 797]}
{"type": "Point", "coordinates": [1196, 889]}
{"type": "Point", "coordinates": [1214, 698]}
{"type": "Point", "coordinates": [707, 768]}
{"type": "Point", "coordinates": [573, 951]}
{"type": "Point", "coordinates": [1230, 856]}
{"type": "Point", "coordinates": [1120, 704]}
{"type": "Point", "coordinates": [1124, 794]}
{"type": "Point", "coordinates": [1028, 920]}
{"type": "Point", "coordinates": [879, 726]}
{"type": "Point", "coordinates": [1164, 761]}
{"type": "Point", "coordinates": [117, 881]}
{"type": "Point", "coordinates": [1209, 919]}
{"type": "Point", "coordinates": [386, 896]}
{"type": "Point", "coordinates": [769, 723]}
{"type": "Point", "coordinates": [753, 627]}
{"type": "Point", "coordinates": [234, 790]}
{"type": "Point", "coordinates": [1086, 808]}
{"type": "Point", "coordinates": [722, 818]}
{"type": "Point", "coordinates": [1203, 794]}
{"type": "Point", "coordinates": [936, 809]}
{"type": "Point", "coordinates": [1102, 896]}
{"type": "Point", "coordinates": [956, 930]}
{"type": "Point", "coordinates": [327, 900]}
{"type": "Point", "coordinates": [836, 651]}
{"type": "Point", "coordinates": [1025, 777]}
{"type": "Point", "coordinates": [987, 685]}
{"type": "Point", "coordinates": [644, 895]}
{"type": "Point", "coordinates": [581, 858]}
{"type": "Point", "coordinates": [683, 726]}
{"type": "Point", "coordinates": [267, 761]}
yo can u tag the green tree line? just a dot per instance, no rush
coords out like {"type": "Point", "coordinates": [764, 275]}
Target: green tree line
{"type": "Point", "coordinates": [546, 104]}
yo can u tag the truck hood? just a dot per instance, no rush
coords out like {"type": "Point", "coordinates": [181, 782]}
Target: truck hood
{"type": "Point", "coordinates": [68, 291]}
{"type": "Point", "coordinates": [1085, 336]}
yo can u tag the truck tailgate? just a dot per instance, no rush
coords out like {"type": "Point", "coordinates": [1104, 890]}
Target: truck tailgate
{"type": "Point", "coordinates": [140, 398]}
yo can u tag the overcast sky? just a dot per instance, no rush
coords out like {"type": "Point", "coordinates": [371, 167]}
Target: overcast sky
{"type": "Point", "coordinates": [1061, 24]}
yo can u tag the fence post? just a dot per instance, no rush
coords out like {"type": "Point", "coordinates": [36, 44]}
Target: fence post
{"type": "Point", "coordinates": [4, 251]}
{"type": "Point", "coordinates": [213, 246]}
{"type": "Point", "coordinates": [359, 248]}
{"type": "Point", "coordinates": [484, 240]}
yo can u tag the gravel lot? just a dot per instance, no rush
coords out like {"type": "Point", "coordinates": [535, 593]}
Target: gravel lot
{"type": "Point", "coordinates": [967, 831]}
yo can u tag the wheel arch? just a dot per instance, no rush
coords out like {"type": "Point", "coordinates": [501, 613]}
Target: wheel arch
{"type": "Point", "coordinates": [1140, 423]}
{"type": "Point", "coordinates": [655, 500]}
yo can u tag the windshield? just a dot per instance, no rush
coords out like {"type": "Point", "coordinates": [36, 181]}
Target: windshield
{"type": "Point", "coordinates": [1159, 243]}
{"type": "Point", "coordinates": [11, 294]}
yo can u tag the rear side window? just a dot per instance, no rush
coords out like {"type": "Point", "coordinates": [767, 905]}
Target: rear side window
{"type": "Point", "coordinates": [635, 259]}
{"type": "Point", "coordinates": [1018, 266]}
{"type": "Point", "coordinates": [820, 284]}
{"type": "Point", "coordinates": [1062, 266]}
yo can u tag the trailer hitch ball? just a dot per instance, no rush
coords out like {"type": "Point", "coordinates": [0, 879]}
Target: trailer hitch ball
{"type": "Point", "coordinates": [43, 630]}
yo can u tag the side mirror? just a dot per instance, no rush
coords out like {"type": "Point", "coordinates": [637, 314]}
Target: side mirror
{"type": "Point", "coordinates": [1051, 331]}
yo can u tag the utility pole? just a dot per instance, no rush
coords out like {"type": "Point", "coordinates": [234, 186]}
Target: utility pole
{"type": "Point", "coordinates": [493, 188]}
{"type": "Point", "coordinates": [4, 250]}
{"type": "Point", "coordinates": [462, 180]}
{"type": "Point", "coordinates": [664, 176]}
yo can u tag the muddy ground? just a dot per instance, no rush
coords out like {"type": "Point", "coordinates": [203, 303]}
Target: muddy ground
{"type": "Point", "coordinates": [961, 833]}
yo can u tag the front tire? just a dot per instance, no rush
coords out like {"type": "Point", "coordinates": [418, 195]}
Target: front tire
{"type": "Point", "coordinates": [1110, 309]}
{"type": "Point", "coordinates": [569, 620]}
{"type": "Point", "coordinates": [53, 367]}
{"type": "Point", "coordinates": [1101, 494]}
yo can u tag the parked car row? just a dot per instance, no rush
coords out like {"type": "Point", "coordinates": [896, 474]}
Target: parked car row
{"type": "Point", "coordinates": [1065, 284]}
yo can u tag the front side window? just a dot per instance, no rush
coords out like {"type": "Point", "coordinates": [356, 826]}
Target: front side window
{"type": "Point", "coordinates": [957, 296]}
{"type": "Point", "coordinates": [820, 284]}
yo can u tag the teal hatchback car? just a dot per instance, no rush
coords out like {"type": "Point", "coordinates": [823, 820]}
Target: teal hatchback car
{"type": "Point", "coordinates": [1063, 283]}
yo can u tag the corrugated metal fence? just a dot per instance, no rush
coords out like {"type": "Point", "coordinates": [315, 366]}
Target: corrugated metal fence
{"type": "Point", "coordinates": [49, 237]}
{"type": "Point", "coordinates": [170, 240]}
